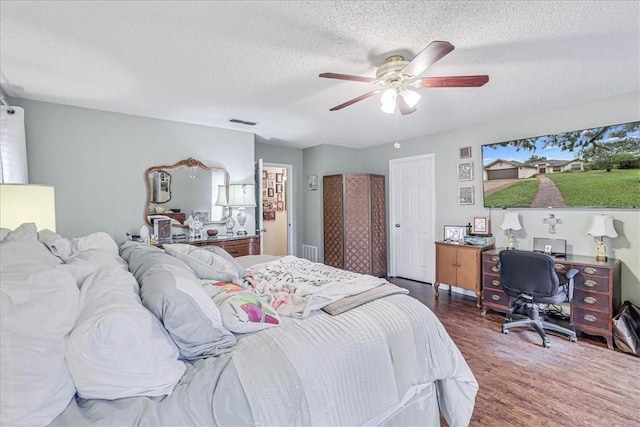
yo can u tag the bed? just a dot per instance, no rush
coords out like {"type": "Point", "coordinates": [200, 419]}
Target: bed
{"type": "Point", "coordinates": [135, 335]}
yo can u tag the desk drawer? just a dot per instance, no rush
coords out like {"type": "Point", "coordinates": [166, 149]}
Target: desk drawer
{"type": "Point", "coordinates": [593, 319]}
{"type": "Point", "coordinates": [591, 283]}
{"type": "Point", "coordinates": [591, 300]}
{"type": "Point", "coordinates": [491, 282]}
{"type": "Point", "coordinates": [490, 267]}
{"type": "Point", "coordinates": [496, 297]}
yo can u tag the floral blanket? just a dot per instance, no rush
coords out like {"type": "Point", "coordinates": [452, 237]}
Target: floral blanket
{"type": "Point", "coordinates": [298, 286]}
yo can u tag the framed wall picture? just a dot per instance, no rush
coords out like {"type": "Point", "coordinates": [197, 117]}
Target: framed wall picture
{"type": "Point", "coordinates": [465, 195]}
{"type": "Point", "coordinates": [480, 225]}
{"type": "Point", "coordinates": [264, 174]}
{"type": "Point", "coordinates": [312, 182]}
{"type": "Point", "coordinates": [278, 188]}
{"type": "Point", "coordinates": [271, 176]}
{"type": "Point", "coordinates": [279, 197]}
{"type": "Point", "coordinates": [278, 177]}
{"type": "Point", "coordinates": [465, 152]}
{"type": "Point", "coordinates": [269, 215]}
{"type": "Point", "coordinates": [280, 206]}
{"type": "Point", "coordinates": [454, 233]}
{"type": "Point", "coordinates": [270, 192]}
{"type": "Point", "coordinates": [465, 171]}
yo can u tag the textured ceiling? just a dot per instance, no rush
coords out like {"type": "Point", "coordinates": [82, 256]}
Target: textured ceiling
{"type": "Point", "coordinates": [207, 62]}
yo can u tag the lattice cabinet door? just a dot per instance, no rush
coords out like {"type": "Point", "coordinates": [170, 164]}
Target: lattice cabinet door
{"type": "Point", "coordinates": [355, 223]}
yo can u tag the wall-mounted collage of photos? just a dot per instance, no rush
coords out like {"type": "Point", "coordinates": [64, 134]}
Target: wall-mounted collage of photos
{"type": "Point", "coordinates": [273, 192]}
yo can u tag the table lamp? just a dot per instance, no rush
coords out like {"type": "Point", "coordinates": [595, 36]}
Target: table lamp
{"type": "Point", "coordinates": [602, 226]}
{"type": "Point", "coordinates": [511, 222]}
{"type": "Point", "coordinates": [20, 203]}
{"type": "Point", "coordinates": [223, 201]}
{"type": "Point", "coordinates": [242, 196]}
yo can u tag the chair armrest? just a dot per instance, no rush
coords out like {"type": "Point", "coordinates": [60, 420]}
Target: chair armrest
{"type": "Point", "coordinates": [571, 273]}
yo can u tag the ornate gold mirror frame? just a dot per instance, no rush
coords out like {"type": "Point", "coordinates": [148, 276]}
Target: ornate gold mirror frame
{"type": "Point", "coordinates": [196, 185]}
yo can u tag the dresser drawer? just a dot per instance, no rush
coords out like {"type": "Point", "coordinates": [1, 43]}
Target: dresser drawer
{"type": "Point", "coordinates": [491, 282]}
{"type": "Point", "coordinates": [490, 267]}
{"type": "Point", "coordinates": [593, 270]}
{"type": "Point", "coordinates": [591, 300]}
{"type": "Point", "coordinates": [591, 283]}
{"type": "Point", "coordinates": [590, 318]}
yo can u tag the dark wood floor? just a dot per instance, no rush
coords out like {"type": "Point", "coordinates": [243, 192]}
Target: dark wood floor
{"type": "Point", "coordinates": [524, 384]}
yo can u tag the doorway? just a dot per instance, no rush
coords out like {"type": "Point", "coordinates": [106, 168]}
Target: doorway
{"type": "Point", "coordinates": [276, 209]}
{"type": "Point", "coordinates": [412, 217]}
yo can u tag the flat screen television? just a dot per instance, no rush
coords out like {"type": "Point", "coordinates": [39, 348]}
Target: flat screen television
{"type": "Point", "coordinates": [588, 168]}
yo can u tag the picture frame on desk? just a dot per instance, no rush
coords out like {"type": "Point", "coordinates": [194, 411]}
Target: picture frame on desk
{"type": "Point", "coordinates": [162, 229]}
{"type": "Point", "coordinates": [480, 225]}
{"type": "Point", "coordinates": [454, 233]}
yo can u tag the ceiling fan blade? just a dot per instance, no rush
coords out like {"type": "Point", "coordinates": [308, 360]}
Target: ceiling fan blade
{"type": "Point", "coordinates": [348, 77]}
{"type": "Point", "coordinates": [429, 56]}
{"type": "Point", "coordinates": [354, 100]}
{"type": "Point", "coordinates": [453, 81]}
{"type": "Point", "coordinates": [404, 107]}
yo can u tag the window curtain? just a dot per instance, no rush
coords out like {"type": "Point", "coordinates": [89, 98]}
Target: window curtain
{"type": "Point", "coordinates": [13, 146]}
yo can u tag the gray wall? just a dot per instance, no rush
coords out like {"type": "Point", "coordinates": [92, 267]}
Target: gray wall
{"type": "Point", "coordinates": [576, 222]}
{"type": "Point", "coordinates": [96, 162]}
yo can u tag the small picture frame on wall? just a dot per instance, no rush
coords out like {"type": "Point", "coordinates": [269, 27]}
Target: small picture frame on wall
{"type": "Point", "coordinates": [264, 174]}
{"type": "Point", "coordinates": [280, 206]}
{"type": "Point", "coordinates": [465, 152]}
{"type": "Point", "coordinates": [278, 177]}
{"type": "Point", "coordinates": [480, 225]}
{"type": "Point", "coordinates": [465, 195]}
{"type": "Point", "coordinates": [270, 192]}
{"type": "Point", "coordinates": [465, 171]}
{"type": "Point", "coordinates": [278, 188]}
{"type": "Point", "coordinates": [271, 176]}
{"type": "Point", "coordinates": [269, 215]}
{"type": "Point", "coordinates": [312, 182]}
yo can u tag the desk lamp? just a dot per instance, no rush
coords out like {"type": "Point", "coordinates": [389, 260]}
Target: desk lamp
{"type": "Point", "coordinates": [242, 196]}
{"type": "Point", "coordinates": [511, 222]}
{"type": "Point", "coordinates": [601, 226]}
{"type": "Point", "coordinates": [20, 203]}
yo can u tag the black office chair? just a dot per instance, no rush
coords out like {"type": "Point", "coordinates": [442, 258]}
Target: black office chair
{"type": "Point", "coordinates": [529, 279]}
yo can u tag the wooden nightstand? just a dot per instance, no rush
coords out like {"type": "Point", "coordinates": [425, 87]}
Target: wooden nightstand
{"type": "Point", "coordinates": [459, 265]}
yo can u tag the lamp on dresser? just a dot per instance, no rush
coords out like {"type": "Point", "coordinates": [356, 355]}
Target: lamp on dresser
{"type": "Point", "coordinates": [20, 203]}
{"type": "Point", "coordinates": [223, 201]}
{"type": "Point", "coordinates": [602, 226]}
{"type": "Point", "coordinates": [242, 196]}
{"type": "Point", "coordinates": [511, 223]}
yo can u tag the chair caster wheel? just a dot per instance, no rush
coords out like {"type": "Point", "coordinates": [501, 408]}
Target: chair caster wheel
{"type": "Point", "coordinates": [573, 339]}
{"type": "Point", "coordinates": [546, 344]}
{"type": "Point", "coordinates": [504, 331]}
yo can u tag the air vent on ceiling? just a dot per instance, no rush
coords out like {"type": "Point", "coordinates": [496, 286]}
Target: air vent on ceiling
{"type": "Point", "coordinates": [243, 122]}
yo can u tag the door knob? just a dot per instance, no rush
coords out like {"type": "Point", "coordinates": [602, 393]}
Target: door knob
{"type": "Point", "coordinates": [397, 225]}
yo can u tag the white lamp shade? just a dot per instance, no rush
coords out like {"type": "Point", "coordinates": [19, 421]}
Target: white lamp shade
{"type": "Point", "coordinates": [222, 196]}
{"type": "Point", "coordinates": [242, 195]}
{"type": "Point", "coordinates": [602, 225]}
{"type": "Point", "coordinates": [388, 100]}
{"type": "Point", "coordinates": [20, 203]}
{"type": "Point", "coordinates": [411, 98]}
{"type": "Point", "coordinates": [511, 221]}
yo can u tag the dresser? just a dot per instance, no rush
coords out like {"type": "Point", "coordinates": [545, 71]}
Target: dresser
{"type": "Point", "coordinates": [236, 246]}
{"type": "Point", "coordinates": [596, 292]}
{"type": "Point", "coordinates": [354, 213]}
{"type": "Point", "coordinates": [459, 265]}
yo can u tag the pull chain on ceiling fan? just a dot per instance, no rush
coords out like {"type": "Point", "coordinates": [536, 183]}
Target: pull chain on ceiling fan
{"type": "Point", "coordinates": [396, 76]}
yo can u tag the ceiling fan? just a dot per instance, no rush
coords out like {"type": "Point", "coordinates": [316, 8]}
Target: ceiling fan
{"type": "Point", "coordinates": [397, 75]}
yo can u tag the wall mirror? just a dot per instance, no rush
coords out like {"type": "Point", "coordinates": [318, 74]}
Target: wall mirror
{"type": "Point", "coordinates": [188, 187]}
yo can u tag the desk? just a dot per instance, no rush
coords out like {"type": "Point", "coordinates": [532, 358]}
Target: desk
{"type": "Point", "coordinates": [596, 292]}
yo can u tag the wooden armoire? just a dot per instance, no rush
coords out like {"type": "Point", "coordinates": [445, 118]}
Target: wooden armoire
{"type": "Point", "coordinates": [355, 237]}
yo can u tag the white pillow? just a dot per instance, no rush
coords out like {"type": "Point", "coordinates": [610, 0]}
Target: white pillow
{"type": "Point", "coordinates": [118, 348]}
{"type": "Point", "coordinates": [82, 264]}
{"type": "Point", "coordinates": [205, 264]}
{"type": "Point", "coordinates": [21, 247]}
{"type": "Point", "coordinates": [100, 241]}
{"type": "Point", "coordinates": [242, 310]}
{"type": "Point", "coordinates": [39, 305]}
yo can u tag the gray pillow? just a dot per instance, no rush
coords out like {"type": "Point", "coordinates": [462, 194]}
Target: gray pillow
{"type": "Point", "coordinates": [171, 291]}
{"type": "Point", "coordinates": [242, 272]}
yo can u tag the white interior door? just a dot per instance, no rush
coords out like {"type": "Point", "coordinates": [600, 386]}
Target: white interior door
{"type": "Point", "coordinates": [412, 212]}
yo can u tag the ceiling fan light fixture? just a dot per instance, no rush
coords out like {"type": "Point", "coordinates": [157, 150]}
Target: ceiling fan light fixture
{"type": "Point", "coordinates": [388, 100]}
{"type": "Point", "coordinates": [411, 98]}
